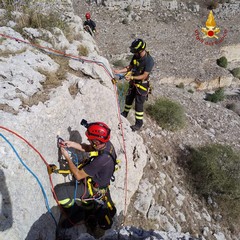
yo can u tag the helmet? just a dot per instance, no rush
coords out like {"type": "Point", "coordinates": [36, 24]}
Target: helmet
{"type": "Point", "coordinates": [137, 46]}
{"type": "Point", "coordinates": [98, 131]}
{"type": "Point", "coordinates": [88, 16]}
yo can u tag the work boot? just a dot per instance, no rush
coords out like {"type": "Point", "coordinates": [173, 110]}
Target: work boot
{"type": "Point", "coordinates": [137, 125]}
{"type": "Point", "coordinates": [124, 114]}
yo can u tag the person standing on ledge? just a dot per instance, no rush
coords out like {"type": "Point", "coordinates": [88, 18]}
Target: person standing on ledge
{"type": "Point", "coordinates": [89, 25]}
{"type": "Point", "coordinates": [137, 74]}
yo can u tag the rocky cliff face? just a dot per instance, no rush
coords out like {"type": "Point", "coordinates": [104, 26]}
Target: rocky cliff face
{"type": "Point", "coordinates": [46, 93]}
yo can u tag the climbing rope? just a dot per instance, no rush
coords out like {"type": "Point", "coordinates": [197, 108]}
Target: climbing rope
{"type": "Point", "coordinates": [59, 53]}
{"type": "Point", "coordinates": [101, 64]}
{"type": "Point", "coordinates": [45, 162]}
{"type": "Point", "coordinates": [32, 173]}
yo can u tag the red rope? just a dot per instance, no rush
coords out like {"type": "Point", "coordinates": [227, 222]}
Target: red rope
{"type": "Point", "coordinates": [125, 154]}
{"type": "Point", "coordinates": [58, 52]}
{"type": "Point", "coordinates": [50, 178]}
{"type": "Point", "coordinates": [29, 144]}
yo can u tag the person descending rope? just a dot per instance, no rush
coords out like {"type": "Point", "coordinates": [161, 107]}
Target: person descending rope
{"type": "Point", "coordinates": [137, 73]}
{"type": "Point", "coordinates": [91, 193]}
{"type": "Point", "coordinates": [89, 25]}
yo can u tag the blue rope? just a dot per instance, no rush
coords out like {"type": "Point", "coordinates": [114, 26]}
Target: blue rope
{"type": "Point", "coordinates": [74, 159]}
{"type": "Point", "coordinates": [76, 182]}
{"type": "Point", "coordinates": [34, 175]}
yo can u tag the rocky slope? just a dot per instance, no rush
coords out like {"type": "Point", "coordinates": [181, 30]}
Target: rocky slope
{"type": "Point", "coordinates": [169, 28]}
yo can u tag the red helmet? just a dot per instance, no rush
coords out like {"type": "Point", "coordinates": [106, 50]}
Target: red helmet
{"type": "Point", "coordinates": [98, 131]}
{"type": "Point", "coordinates": [88, 16]}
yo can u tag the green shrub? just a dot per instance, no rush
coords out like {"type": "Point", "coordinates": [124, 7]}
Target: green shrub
{"type": "Point", "coordinates": [236, 72]}
{"type": "Point", "coordinates": [39, 20]}
{"type": "Point", "coordinates": [122, 88]}
{"type": "Point", "coordinates": [212, 4]}
{"type": "Point", "coordinates": [231, 106]}
{"type": "Point", "coordinates": [180, 85]}
{"type": "Point", "coordinates": [215, 171]}
{"type": "Point", "coordinates": [32, 15]}
{"type": "Point", "coordinates": [128, 9]}
{"type": "Point", "coordinates": [217, 96]}
{"type": "Point", "coordinates": [168, 114]}
{"type": "Point", "coordinates": [83, 51]}
{"type": "Point", "coordinates": [222, 62]}
{"type": "Point", "coordinates": [190, 91]}
{"type": "Point", "coordinates": [125, 21]}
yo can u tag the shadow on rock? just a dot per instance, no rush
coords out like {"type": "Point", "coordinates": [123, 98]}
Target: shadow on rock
{"type": "Point", "coordinates": [44, 228]}
{"type": "Point", "coordinates": [6, 219]}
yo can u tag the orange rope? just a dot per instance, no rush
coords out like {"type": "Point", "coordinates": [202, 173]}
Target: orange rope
{"type": "Point", "coordinates": [125, 154]}
{"type": "Point", "coordinates": [29, 144]}
{"type": "Point", "coordinates": [45, 162]}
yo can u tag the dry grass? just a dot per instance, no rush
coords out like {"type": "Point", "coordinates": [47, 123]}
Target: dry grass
{"type": "Point", "coordinates": [35, 99]}
{"type": "Point", "coordinates": [68, 32]}
{"type": "Point", "coordinates": [83, 51]}
{"type": "Point", "coordinates": [73, 90]}
{"type": "Point", "coordinates": [7, 53]}
{"type": "Point", "coordinates": [53, 80]}
{"type": "Point", "coordinates": [7, 108]}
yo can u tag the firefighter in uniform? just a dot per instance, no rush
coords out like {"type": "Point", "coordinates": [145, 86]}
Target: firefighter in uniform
{"type": "Point", "coordinates": [90, 185]}
{"type": "Point", "coordinates": [137, 73]}
{"type": "Point", "coordinates": [89, 25]}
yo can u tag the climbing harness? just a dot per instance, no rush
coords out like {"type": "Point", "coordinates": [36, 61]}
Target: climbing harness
{"type": "Point", "coordinates": [94, 191]}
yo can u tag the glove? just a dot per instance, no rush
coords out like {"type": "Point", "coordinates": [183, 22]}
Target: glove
{"type": "Point", "coordinates": [51, 168]}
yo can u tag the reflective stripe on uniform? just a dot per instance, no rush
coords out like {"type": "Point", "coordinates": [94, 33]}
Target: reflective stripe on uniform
{"type": "Point", "coordinates": [107, 219]}
{"type": "Point", "coordinates": [93, 153]}
{"type": "Point", "coordinates": [89, 184]}
{"type": "Point", "coordinates": [135, 62]}
{"type": "Point", "coordinates": [66, 203]}
{"type": "Point", "coordinates": [127, 108]}
{"type": "Point", "coordinates": [140, 86]}
{"type": "Point", "coordinates": [139, 115]}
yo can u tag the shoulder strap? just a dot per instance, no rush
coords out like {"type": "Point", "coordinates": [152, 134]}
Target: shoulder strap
{"type": "Point", "coordinates": [113, 158]}
{"type": "Point", "coordinates": [95, 154]}
{"type": "Point", "coordinates": [110, 154]}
